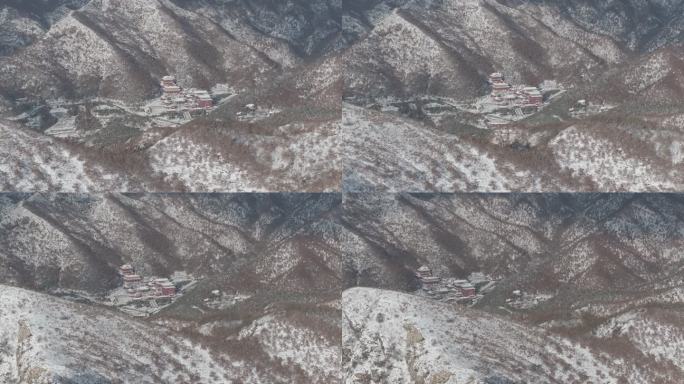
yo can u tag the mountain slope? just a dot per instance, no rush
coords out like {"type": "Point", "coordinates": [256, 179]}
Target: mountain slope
{"type": "Point", "coordinates": [49, 340]}
{"type": "Point", "coordinates": [78, 241]}
{"type": "Point", "coordinates": [23, 22]}
{"type": "Point", "coordinates": [262, 304]}
{"type": "Point", "coordinates": [88, 80]}
{"type": "Point", "coordinates": [640, 25]}
{"type": "Point", "coordinates": [463, 42]}
{"type": "Point", "coordinates": [572, 237]}
{"type": "Point", "coordinates": [449, 135]}
{"type": "Point", "coordinates": [597, 276]}
{"type": "Point", "coordinates": [121, 49]}
{"type": "Point", "coordinates": [437, 343]}
{"type": "Point", "coordinates": [311, 28]}
{"type": "Point", "coordinates": [602, 270]}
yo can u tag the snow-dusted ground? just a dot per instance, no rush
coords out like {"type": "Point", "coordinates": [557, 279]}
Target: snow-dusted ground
{"type": "Point", "coordinates": [392, 337]}
{"type": "Point", "coordinates": [33, 162]}
{"type": "Point", "coordinates": [386, 151]}
{"type": "Point", "coordinates": [608, 165]}
{"type": "Point", "coordinates": [197, 165]}
{"type": "Point", "coordinates": [658, 339]}
{"type": "Point", "coordinates": [65, 127]}
{"type": "Point", "coordinates": [49, 340]}
{"type": "Point", "coordinates": [46, 339]}
{"type": "Point", "coordinates": [295, 157]}
{"type": "Point", "coordinates": [393, 154]}
{"type": "Point", "coordinates": [296, 345]}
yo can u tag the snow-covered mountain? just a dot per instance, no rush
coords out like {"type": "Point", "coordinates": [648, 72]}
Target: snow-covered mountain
{"type": "Point", "coordinates": [639, 25]}
{"type": "Point", "coordinates": [22, 22]}
{"type": "Point", "coordinates": [599, 275]}
{"type": "Point", "coordinates": [120, 49]}
{"type": "Point", "coordinates": [581, 241]}
{"type": "Point", "coordinates": [610, 73]}
{"type": "Point", "coordinates": [391, 337]}
{"type": "Point", "coordinates": [324, 96]}
{"type": "Point", "coordinates": [589, 286]}
{"type": "Point", "coordinates": [263, 304]}
{"type": "Point", "coordinates": [85, 84]}
{"type": "Point", "coordinates": [79, 241]}
{"type": "Point", "coordinates": [354, 132]}
{"type": "Point", "coordinates": [50, 340]}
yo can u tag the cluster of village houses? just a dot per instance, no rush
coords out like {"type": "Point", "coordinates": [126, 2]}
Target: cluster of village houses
{"type": "Point", "coordinates": [584, 108]}
{"type": "Point", "coordinates": [137, 289]}
{"type": "Point", "coordinates": [505, 94]}
{"type": "Point", "coordinates": [136, 286]}
{"type": "Point", "coordinates": [452, 289]}
{"type": "Point", "coordinates": [507, 103]}
{"type": "Point", "coordinates": [470, 290]}
{"type": "Point", "coordinates": [526, 300]}
{"type": "Point", "coordinates": [176, 98]}
{"type": "Point", "coordinates": [178, 102]}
